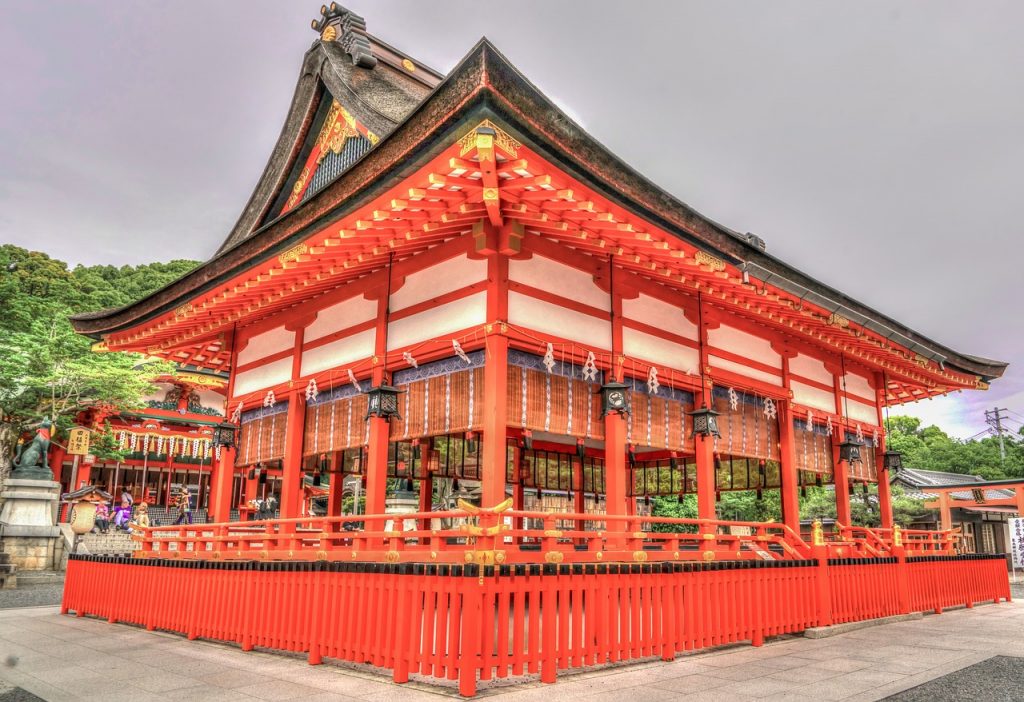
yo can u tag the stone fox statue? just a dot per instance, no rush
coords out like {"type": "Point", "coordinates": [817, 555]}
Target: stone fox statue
{"type": "Point", "coordinates": [32, 456]}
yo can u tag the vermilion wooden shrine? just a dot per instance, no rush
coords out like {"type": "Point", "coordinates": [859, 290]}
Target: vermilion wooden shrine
{"type": "Point", "coordinates": [443, 281]}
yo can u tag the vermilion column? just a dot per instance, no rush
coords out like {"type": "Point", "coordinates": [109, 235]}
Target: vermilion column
{"type": "Point", "coordinates": [787, 469]}
{"type": "Point", "coordinates": [615, 468]}
{"type": "Point", "coordinates": [220, 485]}
{"type": "Point", "coordinates": [945, 512]}
{"type": "Point", "coordinates": [494, 449]}
{"type": "Point", "coordinates": [84, 473]}
{"type": "Point", "coordinates": [337, 486]}
{"type": "Point", "coordinates": [706, 478]}
{"type": "Point", "coordinates": [841, 474]}
{"type": "Point", "coordinates": [291, 479]}
{"type": "Point", "coordinates": [57, 455]}
{"type": "Point", "coordinates": [377, 465]}
{"type": "Point", "coordinates": [884, 488]}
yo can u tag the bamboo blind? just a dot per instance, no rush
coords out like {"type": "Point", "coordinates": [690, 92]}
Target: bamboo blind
{"type": "Point", "coordinates": [813, 449]}
{"type": "Point", "coordinates": [442, 404]}
{"type": "Point", "coordinates": [746, 431]}
{"type": "Point", "coordinates": [261, 437]}
{"type": "Point", "coordinates": [553, 403]}
{"type": "Point", "coordinates": [335, 425]}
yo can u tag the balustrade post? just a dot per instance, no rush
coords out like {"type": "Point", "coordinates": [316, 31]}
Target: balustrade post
{"type": "Point", "coordinates": [902, 571]}
{"type": "Point", "coordinates": [820, 551]}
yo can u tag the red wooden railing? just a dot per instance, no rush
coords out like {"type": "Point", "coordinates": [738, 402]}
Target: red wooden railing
{"type": "Point", "coordinates": [466, 603]}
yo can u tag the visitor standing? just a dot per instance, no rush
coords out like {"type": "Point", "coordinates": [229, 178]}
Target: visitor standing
{"type": "Point", "coordinates": [184, 506]}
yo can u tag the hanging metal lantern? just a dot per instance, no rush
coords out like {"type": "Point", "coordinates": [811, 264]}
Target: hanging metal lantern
{"type": "Point", "coordinates": [614, 399]}
{"type": "Point", "coordinates": [893, 461]}
{"type": "Point", "coordinates": [382, 401]}
{"type": "Point", "coordinates": [705, 423]}
{"type": "Point", "coordinates": [224, 435]}
{"type": "Point", "coordinates": [849, 451]}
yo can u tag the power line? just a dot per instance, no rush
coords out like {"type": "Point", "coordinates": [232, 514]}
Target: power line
{"type": "Point", "coordinates": [994, 418]}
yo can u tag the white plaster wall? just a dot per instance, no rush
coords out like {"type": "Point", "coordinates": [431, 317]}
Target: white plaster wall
{"type": "Point", "coordinates": [861, 412]}
{"type": "Point", "coordinates": [263, 377]}
{"type": "Point", "coordinates": [340, 316]}
{"type": "Point", "coordinates": [813, 397]}
{"type": "Point", "coordinates": [660, 314]}
{"type": "Point", "coordinates": [452, 316]}
{"type": "Point", "coordinates": [560, 279]}
{"type": "Point", "coordinates": [591, 333]}
{"type": "Point", "coordinates": [265, 344]}
{"type": "Point", "coordinates": [810, 368]}
{"type": "Point", "coordinates": [211, 399]}
{"type": "Point", "coordinates": [856, 385]}
{"type": "Point", "coordinates": [659, 352]}
{"type": "Point", "coordinates": [438, 280]}
{"type": "Point", "coordinates": [338, 353]}
{"type": "Point", "coordinates": [747, 345]}
{"type": "Point", "coordinates": [740, 369]}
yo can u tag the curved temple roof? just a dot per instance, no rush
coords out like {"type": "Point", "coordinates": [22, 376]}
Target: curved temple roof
{"type": "Point", "coordinates": [410, 113]}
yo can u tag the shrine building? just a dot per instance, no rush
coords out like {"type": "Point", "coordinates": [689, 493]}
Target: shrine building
{"type": "Point", "coordinates": [443, 285]}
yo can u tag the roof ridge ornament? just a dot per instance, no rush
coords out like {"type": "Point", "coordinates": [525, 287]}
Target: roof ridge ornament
{"type": "Point", "coordinates": [348, 29]}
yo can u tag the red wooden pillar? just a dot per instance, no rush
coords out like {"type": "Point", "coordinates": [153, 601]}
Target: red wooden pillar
{"type": "Point", "coordinates": [841, 475]}
{"type": "Point", "coordinates": [220, 485]}
{"type": "Point", "coordinates": [495, 445]}
{"type": "Point", "coordinates": [494, 450]}
{"type": "Point", "coordinates": [291, 485]}
{"type": "Point", "coordinates": [377, 465]}
{"type": "Point", "coordinates": [884, 488]}
{"type": "Point", "coordinates": [56, 462]}
{"type": "Point", "coordinates": [337, 486]}
{"type": "Point", "coordinates": [945, 512]}
{"type": "Point", "coordinates": [841, 470]}
{"type": "Point", "coordinates": [84, 473]}
{"type": "Point", "coordinates": [616, 471]}
{"type": "Point", "coordinates": [787, 469]}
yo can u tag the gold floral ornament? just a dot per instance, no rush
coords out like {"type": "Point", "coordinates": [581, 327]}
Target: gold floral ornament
{"type": "Point", "coordinates": [501, 139]}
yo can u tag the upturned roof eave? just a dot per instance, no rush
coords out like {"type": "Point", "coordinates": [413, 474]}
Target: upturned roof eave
{"type": "Point", "coordinates": [545, 127]}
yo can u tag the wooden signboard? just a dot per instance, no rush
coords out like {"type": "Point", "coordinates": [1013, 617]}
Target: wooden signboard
{"type": "Point", "coordinates": [78, 442]}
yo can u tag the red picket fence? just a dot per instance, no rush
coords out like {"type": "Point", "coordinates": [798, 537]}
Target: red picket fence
{"type": "Point", "coordinates": [863, 588]}
{"type": "Point", "coordinates": [474, 622]}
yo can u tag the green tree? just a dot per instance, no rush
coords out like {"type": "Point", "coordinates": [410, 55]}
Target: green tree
{"type": "Point", "coordinates": [930, 448]}
{"type": "Point", "coordinates": [46, 369]}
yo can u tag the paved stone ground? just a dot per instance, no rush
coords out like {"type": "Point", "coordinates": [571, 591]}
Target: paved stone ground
{"type": "Point", "coordinates": [999, 677]}
{"type": "Point", "coordinates": [31, 596]}
{"type": "Point", "coordinates": [67, 658]}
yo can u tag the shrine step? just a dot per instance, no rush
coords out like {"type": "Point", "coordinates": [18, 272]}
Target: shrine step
{"type": "Point", "coordinates": [8, 570]}
{"type": "Point", "coordinates": [113, 543]}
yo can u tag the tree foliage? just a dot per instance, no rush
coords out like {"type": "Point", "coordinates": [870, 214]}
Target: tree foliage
{"type": "Point", "coordinates": [930, 448]}
{"type": "Point", "coordinates": [46, 369]}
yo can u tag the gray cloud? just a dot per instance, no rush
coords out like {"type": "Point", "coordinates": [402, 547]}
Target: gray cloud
{"type": "Point", "coordinates": [875, 146]}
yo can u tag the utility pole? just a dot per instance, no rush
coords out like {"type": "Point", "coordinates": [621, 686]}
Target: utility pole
{"type": "Point", "coordinates": [994, 418]}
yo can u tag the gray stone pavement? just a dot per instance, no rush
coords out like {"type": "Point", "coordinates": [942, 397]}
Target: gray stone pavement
{"type": "Point", "coordinates": [66, 658]}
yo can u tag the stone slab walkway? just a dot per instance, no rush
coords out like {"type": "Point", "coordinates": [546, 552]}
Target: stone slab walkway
{"type": "Point", "coordinates": [65, 658]}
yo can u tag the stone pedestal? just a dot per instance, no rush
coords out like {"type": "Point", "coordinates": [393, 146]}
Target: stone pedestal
{"type": "Point", "coordinates": [28, 523]}
{"type": "Point", "coordinates": [402, 503]}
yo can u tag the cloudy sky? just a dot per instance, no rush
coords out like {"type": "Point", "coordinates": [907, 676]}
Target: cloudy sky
{"type": "Point", "coordinates": [877, 146]}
